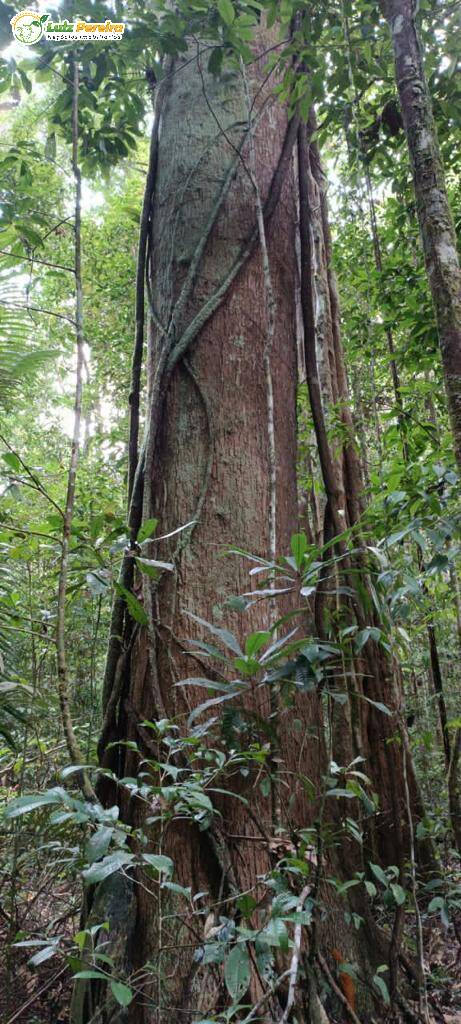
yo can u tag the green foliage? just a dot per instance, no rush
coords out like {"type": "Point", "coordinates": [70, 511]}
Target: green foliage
{"type": "Point", "coordinates": [404, 553]}
{"type": "Point", "coordinates": [237, 972]}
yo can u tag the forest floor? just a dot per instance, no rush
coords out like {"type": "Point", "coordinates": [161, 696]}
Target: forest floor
{"type": "Point", "coordinates": [41, 995]}
{"type": "Point", "coordinates": [443, 963]}
{"type": "Point", "coordinates": [37, 995]}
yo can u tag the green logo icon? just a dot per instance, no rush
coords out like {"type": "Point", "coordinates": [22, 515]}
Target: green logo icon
{"type": "Point", "coordinates": [27, 27]}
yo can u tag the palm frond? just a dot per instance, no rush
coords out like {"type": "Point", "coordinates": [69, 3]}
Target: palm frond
{"type": "Point", "coordinates": [20, 359]}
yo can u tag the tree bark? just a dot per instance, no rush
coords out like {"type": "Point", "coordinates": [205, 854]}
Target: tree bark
{"type": "Point", "coordinates": [453, 781]}
{"type": "Point", "coordinates": [218, 441]}
{"type": "Point", "coordinates": [63, 674]}
{"type": "Point", "coordinates": [215, 434]}
{"type": "Point", "coordinates": [436, 670]}
{"type": "Point", "coordinates": [375, 676]}
{"type": "Point", "coordinates": [434, 215]}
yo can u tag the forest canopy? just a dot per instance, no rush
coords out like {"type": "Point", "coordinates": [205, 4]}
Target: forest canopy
{"type": "Point", "coordinates": [230, 447]}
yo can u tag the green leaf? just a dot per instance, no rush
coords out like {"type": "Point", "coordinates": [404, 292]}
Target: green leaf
{"type": "Point", "coordinates": [122, 993]}
{"type": "Point", "coordinates": [26, 804]}
{"type": "Point", "coordinates": [379, 707]}
{"type": "Point", "coordinates": [341, 793]}
{"type": "Point", "coordinates": [151, 567]}
{"type": "Point", "coordinates": [42, 955]}
{"type": "Point", "coordinates": [28, 943]}
{"type": "Point", "coordinates": [205, 684]}
{"type": "Point", "coordinates": [275, 934]}
{"type": "Point", "coordinates": [198, 799]}
{"type": "Point", "coordinates": [91, 974]}
{"type": "Point", "coordinates": [226, 10]}
{"type": "Point", "coordinates": [180, 890]}
{"type": "Point", "coordinates": [215, 61]}
{"type": "Point", "coordinates": [399, 535]}
{"type": "Point", "coordinates": [226, 637]}
{"type": "Point", "coordinates": [213, 702]}
{"type": "Point", "coordinates": [98, 845]}
{"type": "Point", "coordinates": [164, 865]}
{"type": "Point", "coordinates": [27, 232]}
{"type": "Point", "coordinates": [12, 461]}
{"type": "Point", "coordinates": [146, 530]}
{"type": "Point", "coordinates": [246, 904]}
{"type": "Point", "coordinates": [255, 641]}
{"type": "Point", "coordinates": [379, 874]}
{"type": "Point", "coordinates": [98, 872]}
{"type": "Point", "coordinates": [298, 548]}
{"type": "Point", "coordinates": [398, 893]}
{"type": "Point", "coordinates": [237, 971]}
{"type": "Point", "coordinates": [24, 78]}
{"type": "Point", "coordinates": [134, 606]}
{"type": "Point", "coordinates": [305, 104]}
{"type": "Point", "coordinates": [381, 985]}
{"type": "Point", "coordinates": [73, 769]}
{"type": "Point", "coordinates": [364, 635]}
{"type": "Point", "coordinates": [440, 904]}
{"type": "Point", "coordinates": [80, 939]}
{"type": "Point", "coordinates": [6, 686]}
{"type": "Point", "coordinates": [283, 903]}
{"type": "Point", "coordinates": [247, 666]}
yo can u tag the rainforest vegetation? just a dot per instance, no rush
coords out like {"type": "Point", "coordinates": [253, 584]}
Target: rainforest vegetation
{"type": "Point", "coordinates": [230, 523]}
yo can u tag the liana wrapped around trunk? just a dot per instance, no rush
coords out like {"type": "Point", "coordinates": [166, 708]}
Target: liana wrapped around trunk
{"type": "Point", "coordinates": [219, 454]}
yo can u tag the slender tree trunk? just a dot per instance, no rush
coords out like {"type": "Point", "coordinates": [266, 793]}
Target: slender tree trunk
{"type": "Point", "coordinates": [437, 681]}
{"type": "Point", "coordinates": [359, 422]}
{"type": "Point", "coordinates": [389, 334]}
{"type": "Point", "coordinates": [453, 781]}
{"type": "Point", "coordinates": [436, 670]}
{"type": "Point", "coordinates": [377, 673]}
{"type": "Point", "coordinates": [63, 676]}
{"type": "Point", "coordinates": [435, 220]}
{"type": "Point", "coordinates": [454, 789]}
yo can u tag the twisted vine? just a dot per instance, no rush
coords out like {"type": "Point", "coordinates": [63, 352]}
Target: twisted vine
{"type": "Point", "coordinates": [173, 351]}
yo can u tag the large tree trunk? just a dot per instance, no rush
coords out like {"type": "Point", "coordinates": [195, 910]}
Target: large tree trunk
{"type": "Point", "coordinates": [209, 459]}
{"type": "Point", "coordinates": [220, 451]}
{"type": "Point", "coordinates": [435, 220]}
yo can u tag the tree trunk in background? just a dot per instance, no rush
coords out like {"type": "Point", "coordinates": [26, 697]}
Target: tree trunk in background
{"type": "Point", "coordinates": [375, 675]}
{"type": "Point", "coordinates": [436, 670]}
{"type": "Point", "coordinates": [435, 220]}
{"type": "Point", "coordinates": [453, 781]}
